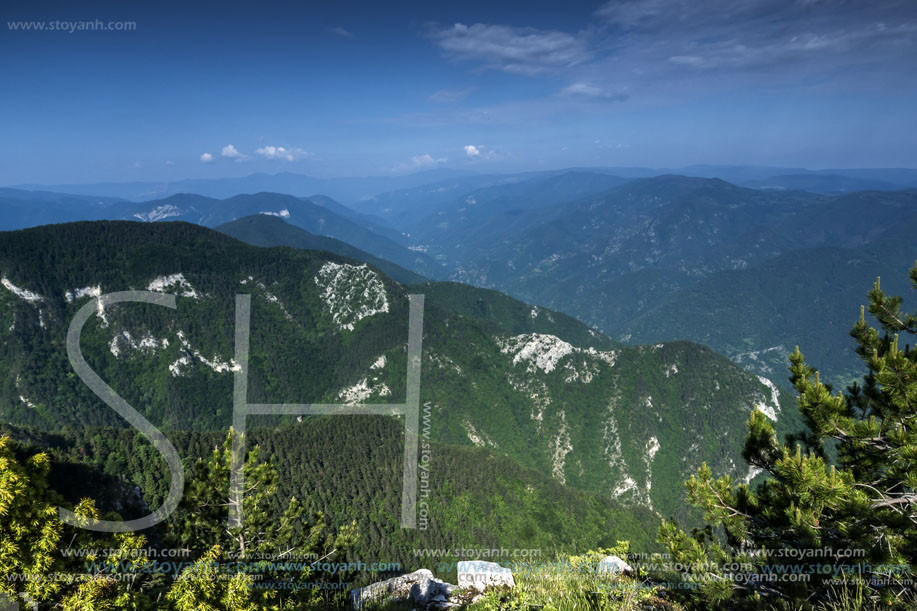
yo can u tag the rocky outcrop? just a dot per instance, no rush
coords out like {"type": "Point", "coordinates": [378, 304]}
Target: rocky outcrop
{"type": "Point", "coordinates": [480, 575]}
{"type": "Point", "coordinates": [428, 593]}
{"type": "Point", "coordinates": [420, 587]}
{"type": "Point", "coordinates": [614, 566]}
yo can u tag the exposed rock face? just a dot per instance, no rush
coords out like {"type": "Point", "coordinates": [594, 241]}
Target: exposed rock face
{"type": "Point", "coordinates": [614, 565]}
{"type": "Point", "coordinates": [351, 293]}
{"type": "Point", "coordinates": [419, 587]}
{"type": "Point", "coordinates": [173, 283]}
{"type": "Point", "coordinates": [481, 575]}
{"type": "Point", "coordinates": [427, 592]}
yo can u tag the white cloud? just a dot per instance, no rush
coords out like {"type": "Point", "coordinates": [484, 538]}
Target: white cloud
{"type": "Point", "coordinates": [232, 152]}
{"type": "Point", "coordinates": [527, 51]}
{"type": "Point", "coordinates": [282, 153]}
{"type": "Point", "coordinates": [448, 96]}
{"type": "Point", "coordinates": [591, 91]}
{"type": "Point", "coordinates": [480, 152]}
{"type": "Point", "coordinates": [206, 158]}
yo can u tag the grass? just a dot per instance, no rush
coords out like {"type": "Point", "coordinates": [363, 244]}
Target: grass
{"type": "Point", "coordinates": [573, 584]}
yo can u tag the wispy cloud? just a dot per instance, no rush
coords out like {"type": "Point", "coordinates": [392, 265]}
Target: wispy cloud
{"type": "Point", "coordinates": [448, 96]}
{"type": "Point", "coordinates": [206, 158]}
{"type": "Point", "coordinates": [341, 32]}
{"type": "Point", "coordinates": [749, 34]}
{"type": "Point", "coordinates": [281, 153]}
{"type": "Point", "coordinates": [426, 160]}
{"type": "Point", "coordinates": [590, 91]}
{"type": "Point", "coordinates": [526, 51]}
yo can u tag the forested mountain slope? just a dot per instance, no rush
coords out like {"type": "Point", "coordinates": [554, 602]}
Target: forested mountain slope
{"type": "Point", "coordinates": [351, 469]}
{"type": "Point", "coordinates": [627, 423]}
{"type": "Point", "coordinates": [654, 259]}
{"type": "Point", "coordinates": [268, 230]}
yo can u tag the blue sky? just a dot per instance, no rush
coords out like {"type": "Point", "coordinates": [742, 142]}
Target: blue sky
{"type": "Point", "coordinates": [337, 88]}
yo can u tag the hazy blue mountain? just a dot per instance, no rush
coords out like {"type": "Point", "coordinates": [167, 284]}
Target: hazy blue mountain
{"type": "Point", "coordinates": [734, 173]}
{"type": "Point", "coordinates": [755, 176]}
{"type": "Point", "coordinates": [371, 222]}
{"type": "Point", "coordinates": [648, 261]}
{"type": "Point", "coordinates": [398, 206]}
{"type": "Point", "coordinates": [266, 230]}
{"type": "Point", "coordinates": [345, 189]}
{"type": "Point", "coordinates": [807, 297]}
{"type": "Point", "coordinates": [458, 229]}
{"type": "Point", "coordinates": [20, 209]}
{"type": "Point", "coordinates": [301, 212]}
{"type": "Point", "coordinates": [325, 216]}
{"type": "Point", "coordinates": [689, 225]}
{"type": "Point", "coordinates": [901, 176]}
{"type": "Point", "coordinates": [854, 219]}
{"type": "Point", "coordinates": [821, 183]}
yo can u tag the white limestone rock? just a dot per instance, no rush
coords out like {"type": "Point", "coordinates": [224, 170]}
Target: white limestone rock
{"type": "Point", "coordinates": [544, 352]}
{"type": "Point", "coordinates": [351, 293]}
{"type": "Point", "coordinates": [769, 408]}
{"type": "Point", "coordinates": [24, 294]}
{"type": "Point", "coordinates": [420, 587]}
{"type": "Point", "coordinates": [480, 575]}
{"type": "Point", "coordinates": [173, 283]}
{"type": "Point", "coordinates": [159, 213]}
{"type": "Point", "coordinates": [86, 291]}
{"type": "Point", "coordinates": [613, 565]}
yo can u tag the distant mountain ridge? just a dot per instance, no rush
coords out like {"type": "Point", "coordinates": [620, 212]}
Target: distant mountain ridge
{"type": "Point", "coordinates": [323, 216]}
{"type": "Point", "coordinates": [604, 248]}
{"type": "Point", "coordinates": [301, 212]}
{"type": "Point", "coordinates": [21, 209]}
{"type": "Point", "coordinates": [352, 190]}
{"type": "Point", "coordinates": [300, 185]}
{"type": "Point", "coordinates": [611, 260]}
{"type": "Point", "coordinates": [268, 230]}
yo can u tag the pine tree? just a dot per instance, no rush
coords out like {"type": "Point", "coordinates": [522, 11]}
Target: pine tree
{"type": "Point", "coordinates": [29, 527]}
{"type": "Point", "coordinates": [260, 546]}
{"type": "Point", "coordinates": [838, 507]}
{"type": "Point", "coordinates": [33, 539]}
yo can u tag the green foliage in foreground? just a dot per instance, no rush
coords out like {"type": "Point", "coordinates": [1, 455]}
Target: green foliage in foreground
{"type": "Point", "coordinates": [210, 576]}
{"type": "Point", "coordinates": [350, 469]}
{"type": "Point", "coordinates": [62, 566]}
{"type": "Point", "coordinates": [573, 583]}
{"type": "Point", "coordinates": [849, 529]}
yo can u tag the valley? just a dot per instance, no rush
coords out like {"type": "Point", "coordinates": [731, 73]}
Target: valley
{"type": "Point", "coordinates": [605, 305]}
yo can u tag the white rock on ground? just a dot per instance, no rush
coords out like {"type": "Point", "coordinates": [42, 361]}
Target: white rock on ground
{"type": "Point", "coordinates": [480, 575]}
{"type": "Point", "coordinates": [419, 587]}
{"type": "Point", "coordinates": [613, 565]}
